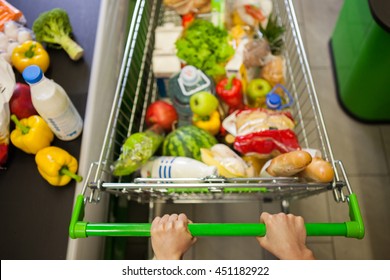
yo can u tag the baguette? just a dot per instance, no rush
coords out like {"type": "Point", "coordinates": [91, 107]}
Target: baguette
{"type": "Point", "coordinates": [289, 164]}
{"type": "Point", "coordinates": [318, 170]}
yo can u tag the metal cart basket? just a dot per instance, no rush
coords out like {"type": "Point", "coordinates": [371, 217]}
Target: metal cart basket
{"type": "Point", "coordinates": [136, 88]}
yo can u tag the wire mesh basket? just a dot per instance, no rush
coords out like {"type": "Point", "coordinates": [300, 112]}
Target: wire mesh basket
{"type": "Point", "coordinates": [136, 89]}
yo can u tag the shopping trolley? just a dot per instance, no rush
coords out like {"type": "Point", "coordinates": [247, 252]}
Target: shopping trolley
{"type": "Point", "coordinates": [136, 88]}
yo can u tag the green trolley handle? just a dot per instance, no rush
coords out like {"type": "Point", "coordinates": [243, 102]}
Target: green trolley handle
{"type": "Point", "coordinates": [81, 229]}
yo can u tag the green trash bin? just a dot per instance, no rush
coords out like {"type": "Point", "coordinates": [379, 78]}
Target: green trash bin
{"type": "Point", "coordinates": [360, 48]}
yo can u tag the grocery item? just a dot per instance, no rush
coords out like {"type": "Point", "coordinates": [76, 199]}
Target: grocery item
{"type": "Point", "coordinates": [31, 134]}
{"type": "Point", "coordinates": [273, 33]}
{"type": "Point", "coordinates": [256, 53]}
{"type": "Point", "coordinates": [57, 166]}
{"type": "Point", "coordinates": [184, 7]}
{"type": "Point", "coordinates": [255, 162]}
{"type": "Point", "coordinates": [203, 103]}
{"type": "Point", "coordinates": [186, 141]}
{"type": "Point", "coordinates": [7, 84]}
{"type": "Point", "coordinates": [275, 101]}
{"type": "Point", "coordinates": [289, 164]}
{"type": "Point", "coordinates": [162, 113]}
{"type": "Point", "coordinates": [257, 91]}
{"type": "Point", "coordinates": [137, 150]}
{"type": "Point", "coordinates": [54, 28]}
{"type": "Point", "coordinates": [180, 6]}
{"type": "Point", "coordinates": [165, 63]}
{"type": "Point", "coordinates": [252, 12]}
{"type": "Point", "coordinates": [205, 47]}
{"type": "Point", "coordinates": [318, 170]}
{"type": "Point", "coordinates": [211, 124]}
{"type": "Point", "coordinates": [14, 35]}
{"type": "Point", "coordinates": [176, 167]}
{"type": "Point", "coordinates": [182, 86]}
{"type": "Point", "coordinates": [21, 103]}
{"type": "Point", "coordinates": [274, 71]}
{"type": "Point", "coordinates": [30, 53]}
{"type": "Point", "coordinates": [242, 122]}
{"type": "Point", "coordinates": [267, 143]}
{"type": "Point", "coordinates": [230, 91]}
{"type": "Point", "coordinates": [53, 104]}
{"type": "Point", "coordinates": [10, 13]}
{"type": "Point", "coordinates": [229, 164]}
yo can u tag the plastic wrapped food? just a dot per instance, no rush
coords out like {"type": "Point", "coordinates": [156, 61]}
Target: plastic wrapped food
{"type": "Point", "coordinates": [275, 70]}
{"type": "Point", "coordinates": [10, 13]}
{"type": "Point", "coordinates": [228, 163]}
{"type": "Point", "coordinates": [252, 12]}
{"type": "Point", "coordinates": [7, 85]}
{"type": "Point", "coordinates": [267, 143]}
{"type": "Point", "coordinates": [262, 132]}
{"type": "Point", "coordinates": [256, 53]}
{"type": "Point", "coordinates": [137, 150]}
{"type": "Point", "coordinates": [183, 7]}
{"type": "Point", "coordinates": [242, 122]}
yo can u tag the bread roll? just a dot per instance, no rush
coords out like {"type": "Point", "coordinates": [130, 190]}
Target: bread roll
{"type": "Point", "coordinates": [318, 170]}
{"type": "Point", "coordinates": [289, 164]}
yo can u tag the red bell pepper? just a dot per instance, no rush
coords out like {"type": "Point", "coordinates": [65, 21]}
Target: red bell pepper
{"type": "Point", "coordinates": [230, 91]}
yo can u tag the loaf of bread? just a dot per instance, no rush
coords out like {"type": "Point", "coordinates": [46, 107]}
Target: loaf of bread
{"type": "Point", "coordinates": [318, 170]}
{"type": "Point", "coordinates": [289, 164]}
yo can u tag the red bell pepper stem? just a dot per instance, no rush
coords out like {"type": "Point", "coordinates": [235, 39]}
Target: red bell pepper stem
{"type": "Point", "coordinates": [229, 83]}
{"type": "Point", "coordinates": [24, 129]}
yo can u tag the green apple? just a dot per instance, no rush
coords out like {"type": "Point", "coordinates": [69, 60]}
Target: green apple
{"type": "Point", "coordinates": [258, 89]}
{"type": "Point", "coordinates": [203, 103]}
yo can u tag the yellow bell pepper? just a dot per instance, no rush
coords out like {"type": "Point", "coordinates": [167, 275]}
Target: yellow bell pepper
{"type": "Point", "coordinates": [211, 124]}
{"type": "Point", "coordinates": [30, 53]}
{"type": "Point", "coordinates": [31, 134]}
{"type": "Point", "coordinates": [57, 166]}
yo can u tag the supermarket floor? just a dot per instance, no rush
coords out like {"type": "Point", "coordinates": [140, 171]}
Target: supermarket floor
{"type": "Point", "coordinates": [364, 150]}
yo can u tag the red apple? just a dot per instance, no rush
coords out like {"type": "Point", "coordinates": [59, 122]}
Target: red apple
{"type": "Point", "coordinates": [20, 103]}
{"type": "Point", "coordinates": [161, 113]}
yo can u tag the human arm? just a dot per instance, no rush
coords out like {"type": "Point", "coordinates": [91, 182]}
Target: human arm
{"type": "Point", "coordinates": [171, 237]}
{"type": "Point", "coordinates": [285, 237]}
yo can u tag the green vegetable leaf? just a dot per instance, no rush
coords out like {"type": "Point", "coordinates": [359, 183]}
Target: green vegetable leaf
{"type": "Point", "coordinates": [206, 47]}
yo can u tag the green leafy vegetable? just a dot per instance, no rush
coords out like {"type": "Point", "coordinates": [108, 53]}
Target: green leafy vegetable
{"type": "Point", "coordinates": [206, 47]}
{"type": "Point", "coordinates": [53, 27]}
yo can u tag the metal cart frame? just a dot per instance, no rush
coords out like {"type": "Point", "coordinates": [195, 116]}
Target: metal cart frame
{"type": "Point", "coordinates": [136, 89]}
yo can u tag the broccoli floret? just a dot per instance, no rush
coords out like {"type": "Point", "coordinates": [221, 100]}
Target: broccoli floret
{"type": "Point", "coordinates": [53, 27]}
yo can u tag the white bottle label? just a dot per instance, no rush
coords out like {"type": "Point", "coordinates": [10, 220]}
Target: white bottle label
{"type": "Point", "coordinates": [176, 167]}
{"type": "Point", "coordinates": [66, 126]}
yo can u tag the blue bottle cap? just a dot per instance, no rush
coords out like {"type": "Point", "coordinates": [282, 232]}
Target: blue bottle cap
{"type": "Point", "coordinates": [273, 101]}
{"type": "Point", "coordinates": [32, 74]}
